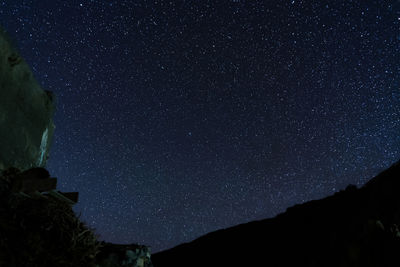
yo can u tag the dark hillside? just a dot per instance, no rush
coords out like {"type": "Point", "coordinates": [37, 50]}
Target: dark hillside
{"type": "Point", "coordinates": [353, 227]}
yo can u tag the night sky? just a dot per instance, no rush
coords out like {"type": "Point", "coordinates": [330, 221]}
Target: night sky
{"type": "Point", "coordinates": [175, 119]}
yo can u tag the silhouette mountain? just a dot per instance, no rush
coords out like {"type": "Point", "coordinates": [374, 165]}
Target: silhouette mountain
{"type": "Point", "coordinates": [353, 227]}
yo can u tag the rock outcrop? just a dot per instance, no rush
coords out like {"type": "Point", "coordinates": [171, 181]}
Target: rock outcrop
{"type": "Point", "coordinates": [38, 227]}
{"type": "Point", "coordinates": [353, 227]}
{"type": "Point", "coordinates": [114, 255]}
{"type": "Point", "coordinates": [26, 112]}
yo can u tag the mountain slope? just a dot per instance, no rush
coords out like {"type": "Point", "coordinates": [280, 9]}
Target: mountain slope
{"type": "Point", "coordinates": [354, 227]}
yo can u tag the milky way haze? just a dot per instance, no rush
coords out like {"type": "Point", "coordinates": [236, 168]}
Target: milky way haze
{"type": "Point", "coordinates": [179, 118]}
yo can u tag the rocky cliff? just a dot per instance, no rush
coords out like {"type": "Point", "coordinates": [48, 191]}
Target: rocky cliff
{"type": "Point", "coordinates": [26, 112]}
{"type": "Point", "coordinates": [38, 227]}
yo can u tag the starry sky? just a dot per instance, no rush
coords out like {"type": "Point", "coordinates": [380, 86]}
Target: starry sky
{"type": "Point", "coordinates": [178, 118]}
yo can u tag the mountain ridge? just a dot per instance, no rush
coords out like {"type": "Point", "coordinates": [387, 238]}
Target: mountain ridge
{"type": "Point", "coordinates": [353, 227]}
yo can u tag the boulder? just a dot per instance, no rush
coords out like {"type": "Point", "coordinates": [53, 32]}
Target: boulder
{"type": "Point", "coordinates": [116, 255]}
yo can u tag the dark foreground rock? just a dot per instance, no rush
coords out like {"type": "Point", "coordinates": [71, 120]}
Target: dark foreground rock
{"type": "Point", "coordinates": [38, 228]}
{"type": "Point", "coordinates": [354, 227]}
{"type": "Point", "coordinates": [114, 255]}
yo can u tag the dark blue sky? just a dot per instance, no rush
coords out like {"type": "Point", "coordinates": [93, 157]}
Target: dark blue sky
{"type": "Point", "coordinates": [179, 118]}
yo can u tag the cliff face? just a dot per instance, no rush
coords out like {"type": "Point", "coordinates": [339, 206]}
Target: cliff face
{"type": "Point", "coordinates": [37, 224]}
{"type": "Point", "coordinates": [26, 111]}
{"type": "Point", "coordinates": [354, 227]}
